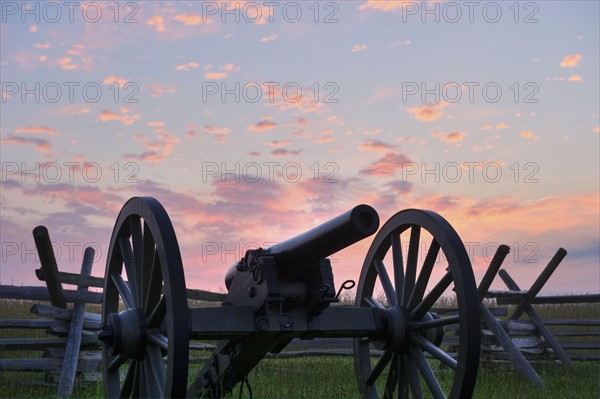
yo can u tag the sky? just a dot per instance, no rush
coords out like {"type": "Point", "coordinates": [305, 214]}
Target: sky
{"type": "Point", "coordinates": [252, 122]}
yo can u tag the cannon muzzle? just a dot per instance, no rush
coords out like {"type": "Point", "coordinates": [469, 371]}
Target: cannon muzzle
{"type": "Point", "coordinates": [320, 242]}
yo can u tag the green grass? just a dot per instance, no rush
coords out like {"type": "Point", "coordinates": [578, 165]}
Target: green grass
{"type": "Point", "coordinates": [333, 377]}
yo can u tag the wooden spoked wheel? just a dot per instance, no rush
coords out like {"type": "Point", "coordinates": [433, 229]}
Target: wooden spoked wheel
{"type": "Point", "coordinates": [410, 359]}
{"type": "Point", "coordinates": [146, 344]}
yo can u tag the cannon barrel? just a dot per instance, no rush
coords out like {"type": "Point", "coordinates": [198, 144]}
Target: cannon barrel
{"type": "Point", "coordinates": [320, 242]}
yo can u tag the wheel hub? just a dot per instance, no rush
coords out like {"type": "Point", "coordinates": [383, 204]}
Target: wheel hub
{"type": "Point", "coordinates": [398, 328]}
{"type": "Point", "coordinates": [125, 333]}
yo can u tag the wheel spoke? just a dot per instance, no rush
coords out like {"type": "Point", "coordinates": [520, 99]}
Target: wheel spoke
{"type": "Point", "coordinates": [160, 340]}
{"type": "Point", "coordinates": [123, 289]}
{"type": "Point", "coordinates": [392, 379]}
{"type": "Point", "coordinates": [158, 314]}
{"type": "Point", "coordinates": [374, 303]}
{"type": "Point", "coordinates": [403, 384]}
{"type": "Point", "coordinates": [436, 352]}
{"type": "Point", "coordinates": [411, 263]}
{"type": "Point", "coordinates": [419, 311]}
{"type": "Point", "coordinates": [137, 242]}
{"type": "Point", "coordinates": [423, 280]}
{"type": "Point", "coordinates": [379, 367]}
{"type": "Point", "coordinates": [154, 285]}
{"type": "Point", "coordinates": [413, 377]}
{"type": "Point", "coordinates": [116, 363]}
{"type": "Point", "coordinates": [127, 254]}
{"type": "Point", "coordinates": [442, 321]}
{"type": "Point", "coordinates": [426, 372]}
{"type": "Point", "coordinates": [128, 382]}
{"type": "Point", "coordinates": [139, 390]}
{"type": "Point", "coordinates": [398, 266]}
{"type": "Point", "coordinates": [156, 374]}
{"type": "Point", "coordinates": [388, 288]}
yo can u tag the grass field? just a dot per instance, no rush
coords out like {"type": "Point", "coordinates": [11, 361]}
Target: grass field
{"type": "Point", "coordinates": [333, 377]}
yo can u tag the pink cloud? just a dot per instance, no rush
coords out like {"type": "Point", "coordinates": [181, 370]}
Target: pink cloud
{"type": "Point", "coordinates": [120, 81]}
{"type": "Point", "coordinates": [37, 129]}
{"type": "Point", "coordinates": [278, 143]}
{"type": "Point", "coordinates": [191, 19]}
{"type": "Point", "coordinates": [187, 67]}
{"type": "Point", "coordinates": [357, 48]}
{"type": "Point", "coordinates": [159, 90]}
{"type": "Point", "coordinates": [427, 112]}
{"type": "Point", "coordinates": [384, 5]}
{"type": "Point", "coordinates": [571, 60]}
{"type": "Point", "coordinates": [215, 75]}
{"type": "Point", "coordinates": [158, 22]}
{"type": "Point", "coordinates": [263, 125]}
{"type": "Point", "coordinates": [325, 139]}
{"type": "Point", "coordinates": [148, 156]}
{"type": "Point", "coordinates": [387, 165]}
{"type": "Point", "coordinates": [123, 116]}
{"type": "Point", "coordinates": [40, 144]}
{"type": "Point", "coordinates": [575, 78]}
{"type": "Point", "coordinates": [269, 38]}
{"type": "Point", "coordinates": [282, 152]}
{"type": "Point", "coordinates": [454, 137]}
{"type": "Point", "coordinates": [375, 145]}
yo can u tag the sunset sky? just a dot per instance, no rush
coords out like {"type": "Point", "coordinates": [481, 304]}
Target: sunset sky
{"type": "Point", "coordinates": [254, 121]}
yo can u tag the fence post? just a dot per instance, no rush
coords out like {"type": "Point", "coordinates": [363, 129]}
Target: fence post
{"type": "Point", "coordinates": [67, 376]}
{"type": "Point", "coordinates": [539, 323]}
{"type": "Point", "coordinates": [48, 262]}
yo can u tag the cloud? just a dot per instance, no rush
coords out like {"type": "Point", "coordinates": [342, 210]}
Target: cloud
{"type": "Point", "coordinates": [381, 94]}
{"type": "Point", "coordinates": [528, 134]}
{"type": "Point", "coordinates": [385, 5]}
{"type": "Point", "coordinates": [67, 64]}
{"type": "Point", "coordinates": [373, 132]}
{"type": "Point", "coordinates": [230, 67]}
{"type": "Point", "coordinates": [387, 165]}
{"type": "Point", "coordinates": [263, 125]}
{"type": "Point", "coordinates": [37, 129]}
{"type": "Point", "coordinates": [191, 19]}
{"type": "Point", "coordinates": [75, 58]}
{"type": "Point", "coordinates": [187, 67]}
{"type": "Point", "coordinates": [502, 126]}
{"type": "Point", "coordinates": [123, 116]}
{"type": "Point", "coordinates": [120, 81]}
{"type": "Point", "coordinates": [217, 131]}
{"type": "Point", "coordinates": [159, 90]}
{"type": "Point", "coordinates": [215, 75]}
{"type": "Point", "coordinates": [575, 78]}
{"type": "Point", "coordinates": [278, 143]}
{"type": "Point", "coordinates": [427, 112]}
{"type": "Point", "coordinates": [571, 60]}
{"type": "Point", "coordinates": [375, 145]}
{"type": "Point", "coordinates": [42, 45]}
{"type": "Point", "coordinates": [282, 152]}
{"type": "Point", "coordinates": [454, 137]}
{"type": "Point", "coordinates": [40, 144]}
{"type": "Point", "coordinates": [325, 139]}
{"type": "Point", "coordinates": [156, 124]}
{"type": "Point", "coordinates": [269, 38]}
{"type": "Point", "coordinates": [158, 22]}
{"type": "Point", "coordinates": [357, 48]}
{"type": "Point", "coordinates": [148, 156]}
{"type": "Point", "coordinates": [224, 71]}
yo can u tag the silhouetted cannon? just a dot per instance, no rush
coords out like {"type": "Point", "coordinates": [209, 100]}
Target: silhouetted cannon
{"type": "Point", "coordinates": [287, 292]}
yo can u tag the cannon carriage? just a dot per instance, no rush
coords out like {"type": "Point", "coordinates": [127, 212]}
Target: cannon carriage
{"type": "Point", "coordinates": [288, 292]}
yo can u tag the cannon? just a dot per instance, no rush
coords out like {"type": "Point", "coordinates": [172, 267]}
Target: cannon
{"type": "Point", "coordinates": [286, 292]}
